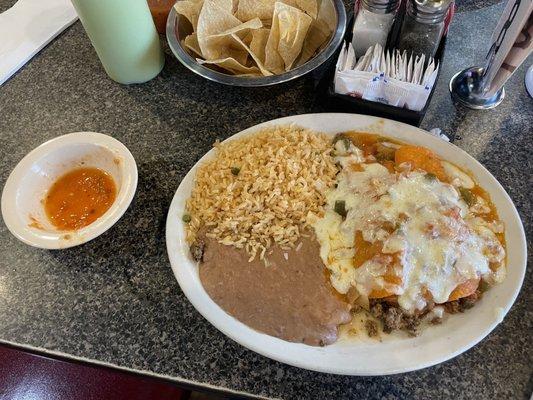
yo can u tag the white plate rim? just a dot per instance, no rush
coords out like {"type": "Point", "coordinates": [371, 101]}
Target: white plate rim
{"type": "Point", "coordinates": [254, 340]}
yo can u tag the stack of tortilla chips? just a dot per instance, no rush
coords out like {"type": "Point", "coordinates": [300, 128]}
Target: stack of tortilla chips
{"type": "Point", "coordinates": [256, 37]}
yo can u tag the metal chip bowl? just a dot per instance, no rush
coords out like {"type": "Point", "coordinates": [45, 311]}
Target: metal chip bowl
{"type": "Point", "coordinates": [179, 27]}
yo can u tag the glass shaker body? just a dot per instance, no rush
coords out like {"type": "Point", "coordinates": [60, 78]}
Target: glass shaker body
{"type": "Point", "coordinates": [124, 37]}
{"type": "Point", "coordinates": [373, 24]}
{"type": "Point", "coordinates": [420, 38]}
{"type": "Point", "coordinates": [423, 26]}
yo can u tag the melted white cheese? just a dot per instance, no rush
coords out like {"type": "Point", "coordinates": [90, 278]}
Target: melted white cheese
{"type": "Point", "coordinates": [459, 178]}
{"type": "Point", "coordinates": [437, 245]}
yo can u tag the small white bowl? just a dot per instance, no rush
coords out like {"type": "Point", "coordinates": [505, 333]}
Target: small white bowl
{"type": "Point", "coordinates": [26, 187]}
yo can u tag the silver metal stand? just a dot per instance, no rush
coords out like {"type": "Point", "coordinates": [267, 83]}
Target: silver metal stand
{"type": "Point", "coordinates": [529, 81]}
{"type": "Point", "coordinates": [467, 89]}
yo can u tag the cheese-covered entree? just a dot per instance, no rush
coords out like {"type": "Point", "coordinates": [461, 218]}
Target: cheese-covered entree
{"type": "Point", "coordinates": [407, 229]}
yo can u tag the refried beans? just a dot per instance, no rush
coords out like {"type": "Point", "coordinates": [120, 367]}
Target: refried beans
{"type": "Point", "coordinates": [290, 297]}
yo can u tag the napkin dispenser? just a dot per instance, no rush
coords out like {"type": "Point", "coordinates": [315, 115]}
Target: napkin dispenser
{"type": "Point", "coordinates": [335, 102]}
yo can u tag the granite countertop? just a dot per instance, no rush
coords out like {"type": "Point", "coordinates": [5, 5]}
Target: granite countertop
{"type": "Point", "coordinates": [115, 300]}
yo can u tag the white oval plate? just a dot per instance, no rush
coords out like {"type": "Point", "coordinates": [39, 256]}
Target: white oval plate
{"type": "Point", "coordinates": [396, 353]}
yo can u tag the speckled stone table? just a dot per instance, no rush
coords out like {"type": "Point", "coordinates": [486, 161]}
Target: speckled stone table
{"type": "Point", "coordinates": [115, 300]}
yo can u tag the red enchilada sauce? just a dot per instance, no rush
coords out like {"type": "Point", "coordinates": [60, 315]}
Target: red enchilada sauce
{"type": "Point", "coordinates": [79, 198]}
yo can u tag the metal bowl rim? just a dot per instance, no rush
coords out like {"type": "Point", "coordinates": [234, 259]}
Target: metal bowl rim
{"type": "Point", "coordinates": [186, 59]}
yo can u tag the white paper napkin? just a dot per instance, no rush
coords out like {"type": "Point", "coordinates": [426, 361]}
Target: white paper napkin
{"type": "Point", "coordinates": [395, 79]}
{"type": "Point", "coordinates": [27, 27]}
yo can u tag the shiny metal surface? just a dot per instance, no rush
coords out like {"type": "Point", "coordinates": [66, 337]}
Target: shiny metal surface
{"type": "Point", "coordinates": [178, 27]}
{"type": "Point", "coordinates": [466, 88]}
{"type": "Point", "coordinates": [529, 81]}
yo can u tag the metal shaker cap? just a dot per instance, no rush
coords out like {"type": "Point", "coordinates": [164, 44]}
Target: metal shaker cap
{"type": "Point", "coordinates": [381, 6]}
{"type": "Point", "coordinates": [428, 11]}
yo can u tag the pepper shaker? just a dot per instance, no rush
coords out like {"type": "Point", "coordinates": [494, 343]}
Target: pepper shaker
{"type": "Point", "coordinates": [422, 26]}
{"type": "Point", "coordinates": [372, 24]}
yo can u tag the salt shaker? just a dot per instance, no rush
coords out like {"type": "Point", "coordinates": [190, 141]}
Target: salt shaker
{"type": "Point", "coordinates": [372, 24]}
{"type": "Point", "coordinates": [422, 26]}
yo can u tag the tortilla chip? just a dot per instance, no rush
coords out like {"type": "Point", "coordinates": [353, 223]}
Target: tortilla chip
{"type": "Point", "coordinates": [252, 24]}
{"type": "Point", "coordinates": [264, 9]}
{"type": "Point", "coordinates": [317, 35]}
{"type": "Point", "coordinates": [256, 59]}
{"type": "Point", "coordinates": [273, 60]}
{"type": "Point", "coordinates": [224, 45]}
{"type": "Point", "coordinates": [258, 43]}
{"type": "Point", "coordinates": [326, 13]}
{"type": "Point", "coordinates": [319, 32]}
{"type": "Point", "coordinates": [247, 38]}
{"type": "Point", "coordinates": [190, 9]}
{"type": "Point", "coordinates": [272, 38]}
{"type": "Point", "coordinates": [289, 27]}
{"type": "Point", "coordinates": [248, 9]}
{"type": "Point", "coordinates": [231, 65]}
{"type": "Point", "coordinates": [191, 43]}
{"type": "Point", "coordinates": [310, 7]}
{"type": "Point", "coordinates": [214, 19]}
{"type": "Point", "coordinates": [232, 50]}
{"type": "Point", "coordinates": [225, 4]}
